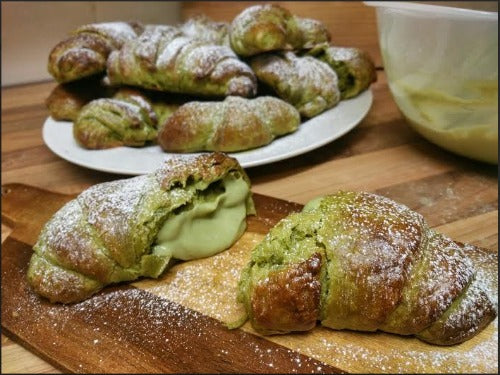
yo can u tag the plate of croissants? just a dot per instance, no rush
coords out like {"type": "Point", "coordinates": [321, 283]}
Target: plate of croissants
{"type": "Point", "coordinates": [268, 86]}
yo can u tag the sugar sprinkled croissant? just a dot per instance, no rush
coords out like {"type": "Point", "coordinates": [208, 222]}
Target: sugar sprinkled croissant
{"type": "Point", "coordinates": [310, 85]}
{"type": "Point", "coordinates": [163, 104]}
{"type": "Point", "coordinates": [109, 122]}
{"type": "Point", "coordinates": [165, 59]}
{"type": "Point", "coordinates": [354, 67]}
{"type": "Point", "coordinates": [85, 52]}
{"type": "Point", "coordinates": [191, 207]}
{"type": "Point", "coordinates": [202, 27]}
{"type": "Point", "coordinates": [363, 262]}
{"type": "Point", "coordinates": [270, 27]}
{"type": "Point", "coordinates": [129, 118]}
{"type": "Point", "coordinates": [234, 124]}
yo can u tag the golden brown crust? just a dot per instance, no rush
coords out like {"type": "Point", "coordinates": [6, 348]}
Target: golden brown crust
{"type": "Point", "coordinates": [262, 28]}
{"type": "Point", "coordinates": [383, 269]}
{"type": "Point", "coordinates": [66, 100]}
{"type": "Point", "coordinates": [270, 27]}
{"type": "Point", "coordinates": [232, 125]}
{"type": "Point", "coordinates": [371, 245]}
{"type": "Point", "coordinates": [204, 167]}
{"type": "Point", "coordinates": [313, 32]}
{"type": "Point", "coordinates": [288, 299]}
{"type": "Point", "coordinates": [310, 85]}
{"type": "Point", "coordinates": [438, 276]}
{"type": "Point", "coordinates": [85, 52]}
{"type": "Point", "coordinates": [470, 313]}
{"type": "Point", "coordinates": [59, 284]}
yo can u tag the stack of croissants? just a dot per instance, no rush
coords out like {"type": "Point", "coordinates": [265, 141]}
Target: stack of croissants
{"type": "Point", "coordinates": [349, 260]}
{"type": "Point", "coordinates": [201, 85]}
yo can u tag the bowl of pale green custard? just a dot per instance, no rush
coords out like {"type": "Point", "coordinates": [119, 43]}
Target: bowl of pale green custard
{"type": "Point", "coordinates": [442, 69]}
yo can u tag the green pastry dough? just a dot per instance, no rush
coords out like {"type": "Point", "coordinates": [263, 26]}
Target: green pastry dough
{"type": "Point", "coordinates": [307, 83]}
{"type": "Point", "coordinates": [165, 59]}
{"type": "Point", "coordinates": [362, 262]}
{"type": "Point", "coordinates": [118, 231]}
{"type": "Point", "coordinates": [270, 27]}
{"type": "Point", "coordinates": [354, 67]}
{"type": "Point", "coordinates": [108, 122]}
{"type": "Point", "coordinates": [132, 117]}
{"type": "Point", "coordinates": [234, 124]}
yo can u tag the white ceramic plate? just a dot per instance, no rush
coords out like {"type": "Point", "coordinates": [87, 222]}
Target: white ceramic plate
{"type": "Point", "coordinates": [314, 133]}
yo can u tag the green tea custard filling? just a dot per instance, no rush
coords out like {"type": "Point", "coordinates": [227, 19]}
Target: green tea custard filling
{"type": "Point", "coordinates": [191, 207]}
{"type": "Point", "coordinates": [209, 224]}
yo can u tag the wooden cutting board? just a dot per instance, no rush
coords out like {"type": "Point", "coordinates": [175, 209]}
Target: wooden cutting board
{"type": "Point", "coordinates": [176, 323]}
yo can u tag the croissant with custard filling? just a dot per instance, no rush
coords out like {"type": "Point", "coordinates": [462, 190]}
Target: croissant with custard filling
{"type": "Point", "coordinates": [191, 207]}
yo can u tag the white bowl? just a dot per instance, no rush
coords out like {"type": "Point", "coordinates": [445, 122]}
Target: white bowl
{"type": "Point", "coordinates": [442, 69]}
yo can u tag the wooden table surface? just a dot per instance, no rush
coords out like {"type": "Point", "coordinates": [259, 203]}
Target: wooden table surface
{"type": "Point", "coordinates": [458, 197]}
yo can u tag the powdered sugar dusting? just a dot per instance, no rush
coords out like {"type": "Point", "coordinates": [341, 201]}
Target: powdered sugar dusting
{"type": "Point", "coordinates": [171, 49]}
{"type": "Point", "coordinates": [208, 285]}
{"type": "Point", "coordinates": [381, 353]}
{"type": "Point", "coordinates": [203, 28]}
{"type": "Point", "coordinates": [114, 201]}
{"type": "Point", "coordinates": [390, 227]}
{"type": "Point", "coordinates": [177, 63]}
{"type": "Point", "coordinates": [347, 350]}
{"type": "Point", "coordinates": [305, 82]}
{"type": "Point", "coordinates": [118, 32]}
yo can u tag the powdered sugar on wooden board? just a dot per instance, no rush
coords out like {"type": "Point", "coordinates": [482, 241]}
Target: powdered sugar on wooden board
{"type": "Point", "coordinates": [209, 286]}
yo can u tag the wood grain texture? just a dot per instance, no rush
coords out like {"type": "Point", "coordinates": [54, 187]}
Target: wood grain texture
{"type": "Point", "coordinates": [456, 195]}
{"type": "Point", "coordinates": [176, 323]}
{"type": "Point", "coordinates": [351, 23]}
{"type": "Point", "coordinates": [125, 328]}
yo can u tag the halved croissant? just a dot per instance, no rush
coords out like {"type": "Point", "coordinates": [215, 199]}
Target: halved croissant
{"type": "Point", "coordinates": [363, 262]}
{"type": "Point", "coordinates": [86, 51]}
{"type": "Point", "coordinates": [165, 59]}
{"type": "Point", "coordinates": [117, 231]}
{"type": "Point", "coordinates": [234, 124]}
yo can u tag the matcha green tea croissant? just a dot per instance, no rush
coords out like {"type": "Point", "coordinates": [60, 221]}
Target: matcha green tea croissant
{"type": "Point", "coordinates": [234, 124]}
{"type": "Point", "coordinates": [202, 27]}
{"type": "Point", "coordinates": [165, 59]}
{"type": "Point", "coordinates": [270, 27]}
{"type": "Point", "coordinates": [110, 122]}
{"type": "Point", "coordinates": [362, 262]}
{"type": "Point", "coordinates": [191, 207]}
{"type": "Point", "coordinates": [354, 67]}
{"type": "Point", "coordinates": [130, 118]}
{"type": "Point", "coordinates": [85, 52]}
{"type": "Point", "coordinates": [308, 84]}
